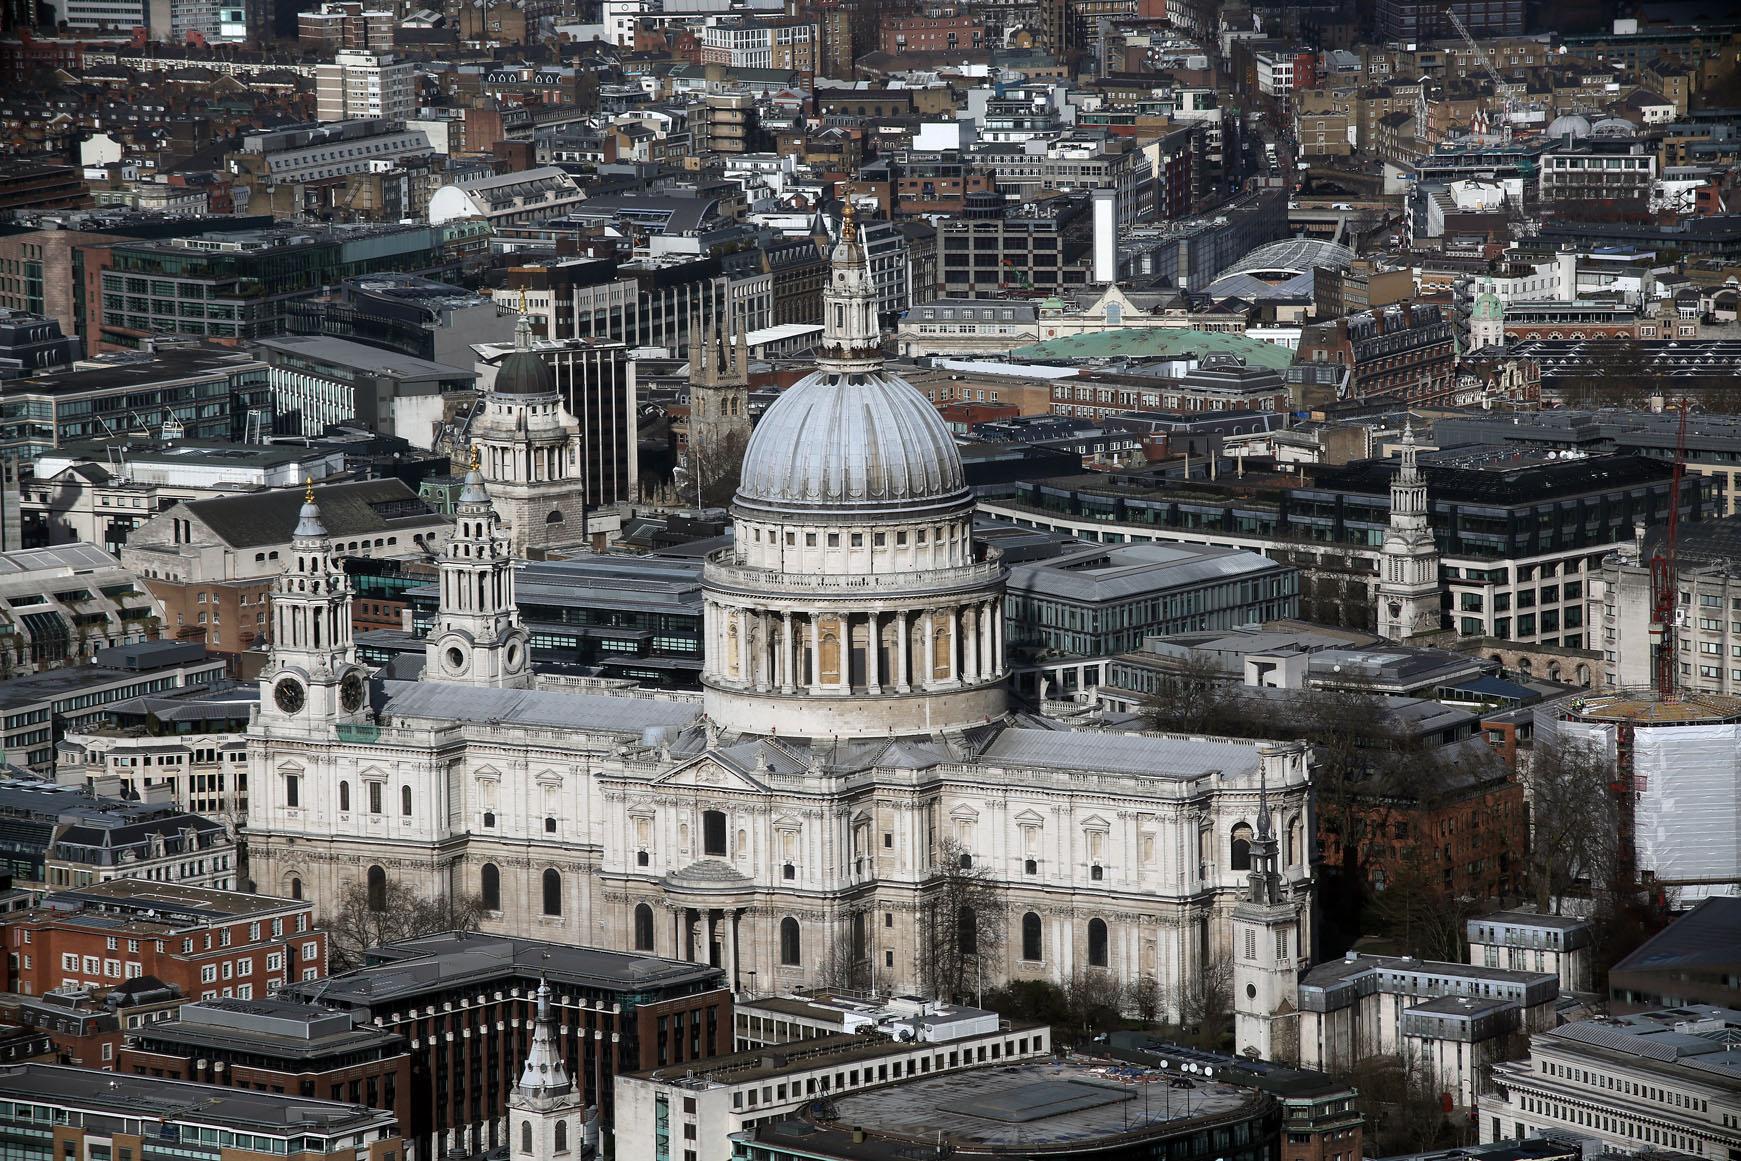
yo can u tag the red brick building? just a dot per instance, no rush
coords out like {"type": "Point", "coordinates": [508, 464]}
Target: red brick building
{"type": "Point", "coordinates": [904, 33]}
{"type": "Point", "coordinates": [204, 943]}
{"type": "Point", "coordinates": [465, 1004]}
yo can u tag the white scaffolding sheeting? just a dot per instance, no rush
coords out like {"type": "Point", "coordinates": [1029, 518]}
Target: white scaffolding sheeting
{"type": "Point", "coordinates": [1688, 815]}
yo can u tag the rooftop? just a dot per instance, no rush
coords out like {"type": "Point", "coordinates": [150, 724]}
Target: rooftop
{"type": "Point", "coordinates": [1158, 343]}
{"type": "Point", "coordinates": [1042, 1105]}
{"type": "Point", "coordinates": [1097, 572]}
{"type": "Point", "coordinates": [362, 357]}
{"type": "Point", "coordinates": [174, 1101]}
{"type": "Point", "coordinates": [1648, 708]}
{"type": "Point", "coordinates": [452, 960]}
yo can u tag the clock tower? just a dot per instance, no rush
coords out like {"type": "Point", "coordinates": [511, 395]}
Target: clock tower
{"type": "Point", "coordinates": [313, 681]}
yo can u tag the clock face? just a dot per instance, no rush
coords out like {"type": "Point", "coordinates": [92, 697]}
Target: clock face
{"type": "Point", "coordinates": [351, 692]}
{"type": "Point", "coordinates": [289, 695]}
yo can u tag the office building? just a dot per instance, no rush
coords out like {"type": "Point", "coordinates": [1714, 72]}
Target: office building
{"type": "Point", "coordinates": [203, 942]}
{"type": "Point", "coordinates": [65, 603]}
{"type": "Point", "coordinates": [1660, 1081]}
{"type": "Point", "coordinates": [239, 285]}
{"type": "Point", "coordinates": [415, 316]}
{"type": "Point", "coordinates": [203, 392]}
{"type": "Point", "coordinates": [189, 750]}
{"type": "Point", "coordinates": [97, 1114]}
{"type": "Point", "coordinates": [1515, 563]}
{"type": "Point", "coordinates": [274, 1045]}
{"type": "Point", "coordinates": [37, 707]}
{"type": "Point", "coordinates": [625, 617]}
{"type": "Point", "coordinates": [1691, 962]}
{"type": "Point", "coordinates": [61, 836]}
{"type": "Point", "coordinates": [95, 492]}
{"type": "Point", "coordinates": [317, 382]}
{"type": "Point", "coordinates": [1096, 600]}
{"type": "Point", "coordinates": [1082, 1108]}
{"type": "Point", "coordinates": [31, 345]}
{"type": "Point", "coordinates": [618, 1012]}
{"type": "Point", "coordinates": [709, 1101]}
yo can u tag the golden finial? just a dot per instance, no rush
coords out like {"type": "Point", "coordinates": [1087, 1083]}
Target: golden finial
{"type": "Point", "coordinates": [522, 300]}
{"type": "Point", "coordinates": [848, 219]}
{"type": "Point", "coordinates": [308, 492]}
{"type": "Point", "coordinates": [474, 457]}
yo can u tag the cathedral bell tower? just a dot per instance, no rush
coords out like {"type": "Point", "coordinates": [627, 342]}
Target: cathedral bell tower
{"type": "Point", "coordinates": [1408, 582]}
{"type": "Point", "coordinates": [477, 638]}
{"type": "Point", "coordinates": [312, 681]}
{"type": "Point", "coordinates": [545, 1114]}
{"type": "Point", "coordinates": [1266, 949]}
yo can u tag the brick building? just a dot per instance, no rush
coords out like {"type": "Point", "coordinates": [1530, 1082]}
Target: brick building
{"type": "Point", "coordinates": [915, 32]}
{"type": "Point", "coordinates": [202, 942]}
{"type": "Point", "coordinates": [1404, 352]}
{"type": "Point", "coordinates": [276, 1046]}
{"type": "Point", "coordinates": [466, 1002]}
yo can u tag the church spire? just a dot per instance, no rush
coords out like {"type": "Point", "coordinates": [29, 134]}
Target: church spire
{"type": "Point", "coordinates": [544, 1073]}
{"type": "Point", "coordinates": [1408, 583]}
{"type": "Point", "coordinates": [1265, 879]}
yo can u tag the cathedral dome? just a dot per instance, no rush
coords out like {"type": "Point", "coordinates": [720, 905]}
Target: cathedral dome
{"type": "Point", "coordinates": [853, 443]}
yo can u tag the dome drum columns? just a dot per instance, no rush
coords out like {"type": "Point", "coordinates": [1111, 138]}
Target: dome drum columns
{"type": "Point", "coordinates": [847, 652]}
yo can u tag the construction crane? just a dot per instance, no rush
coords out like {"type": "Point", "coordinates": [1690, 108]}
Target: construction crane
{"type": "Point", "coordinates": [1664, 575]}
{"type": "Point", "coordinates": [1499, 90]}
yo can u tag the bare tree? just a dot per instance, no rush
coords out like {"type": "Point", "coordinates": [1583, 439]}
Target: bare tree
{"type": "Point", "coordinates": [402, 914]}
{"type": "Point", "coordinates": [847, 965]}
{"type": "Point", "coordinates": [1402, 1109]}
{"type": "Point", "coordinates": [1421, 914]}
{"type": "Point", "coordinates": [1206, 1006]}
{"type": "Point", "coordinates": [1574, 819]}
{"type": "Point", "coordinates": [1195, 697]}
{"type": "Point", "coordinates": [960, 925]}
{"type": "Point", "coordinates": [1095, 1000]}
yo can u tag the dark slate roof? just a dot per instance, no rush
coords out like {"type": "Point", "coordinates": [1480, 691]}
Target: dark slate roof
{"type": "Point", "coordinates": [364, 507]}
{"type": "Point", "coordinates": [1705, 939]}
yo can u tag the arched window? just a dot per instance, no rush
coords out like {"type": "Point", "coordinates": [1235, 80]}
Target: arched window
{"type": "Point", "coordinates": [490, 887]}
{"type": "Point", "coordinates": [713, 833]}
{"type": "Point", "coordinates": [562, 1136]}
{"type": "Point", "coordinates": [1240, 859]}
{"type": "Point", "coordinates": [1031, 867]}
{"type": "Point", "coordinates": [405, 802]}
{"type": "Point", "coordinates": [788, 872]}
{"type": "Point", "coordinates": [526, 1137]}
{"type": "Point", "coordinates": [377, 889]}
{"type": "Point", "coordinates": [790, 945]}
{"type": "Point", "coordinates": [549, 826]}
{"type": "Point", "coordinates": [552, 891]}
{"type": "Point", "coordinates": [965, 861]}
{"type": "Point", "coordinates": [296, 889]}
{"type": "Point", "coordinates": [1032, 940]}
{"type": "Point", "coordinates": [1097, 872]}
{"type": "Point", "coordinates": [1294, 841]}
{"type": "Point", "coordinates": [967, 931]}
{"type": "Point", "coordinates": [642, 858]}
{"type": "Point", "coordinates": [1097, 943]}
{"type": "Point", "coordinates": [489, 820]}
{"type": "Point", "coordinates": [344, 797]}
{"type": "Point", "coordinates": [643, 927]}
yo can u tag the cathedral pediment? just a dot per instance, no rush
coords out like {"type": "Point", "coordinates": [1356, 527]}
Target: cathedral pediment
{"type": "Point", "coordinates": [708, 772]}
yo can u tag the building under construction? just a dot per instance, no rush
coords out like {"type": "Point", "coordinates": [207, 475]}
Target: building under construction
{"type": "Point", "coordinates": [1678, 779]}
